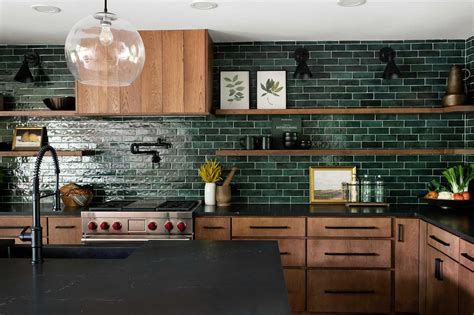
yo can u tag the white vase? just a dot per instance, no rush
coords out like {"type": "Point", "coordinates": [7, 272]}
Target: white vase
{"type": "Point", "coordinates": [210, 194]}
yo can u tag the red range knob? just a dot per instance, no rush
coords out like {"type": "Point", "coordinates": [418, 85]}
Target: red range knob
{"type": "Point", "coordinates": [152, 226]}
{"type": "Point", "coordinates": [168, 226]}
{"type": "Point", "coordinates": [117, 226]}
{"type": "Point", "coordinates": [104, 226]}
{"type": "Point", "coordinates": [181, 226]}
{"type": "Point", "coordinates": [92, 226]}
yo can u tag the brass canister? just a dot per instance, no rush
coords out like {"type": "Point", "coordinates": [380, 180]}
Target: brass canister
{"type": "Point", "coordinates": [455, 90]}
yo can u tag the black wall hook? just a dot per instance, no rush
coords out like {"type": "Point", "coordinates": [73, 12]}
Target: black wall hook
{"type": "Point", "coordinates": [155, 159]}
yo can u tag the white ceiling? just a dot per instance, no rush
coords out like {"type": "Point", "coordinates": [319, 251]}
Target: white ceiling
{"type": "Point", "coordinates": [251, 20]}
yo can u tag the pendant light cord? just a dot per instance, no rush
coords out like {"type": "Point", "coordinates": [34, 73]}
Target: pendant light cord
{"type": "Point", "coordinates": [105, 6]}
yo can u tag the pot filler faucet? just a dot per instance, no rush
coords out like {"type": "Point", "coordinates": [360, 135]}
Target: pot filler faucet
{"type": "Point", "coordinates": [36, 235]}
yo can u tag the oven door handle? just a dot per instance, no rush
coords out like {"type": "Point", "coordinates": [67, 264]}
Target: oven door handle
{"type": "Point", "coordinates": [129, 240]}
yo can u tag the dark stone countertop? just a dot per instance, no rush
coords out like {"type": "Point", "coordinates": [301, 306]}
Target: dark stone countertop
{"type": "Point", "coordinates": [458, 222]}
{"type": "Point", "coordinates": [199, 277]}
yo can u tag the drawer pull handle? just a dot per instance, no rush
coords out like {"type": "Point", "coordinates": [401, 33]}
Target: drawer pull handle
{"type": "Point", "coordinates": [439, 269]}
{"type": "Point", "coordinates": [257, 227]}
{"type": "Point", "coordinates": [11, 227]}
{"type": "Point", "coordinates": [285, 253]}
{"type": "Point", "coordinates": [213, 227]}
{"type": "Point", "coordinates": [467, 256]}
{"type": "Point", "coordinates": [65, 227]}
{"type": "Point", "coordinates": [401, 233]}
{"type": "Point", "coordinates": [351, 254]}
{"type": "Point", "coordinates": [349, 291]}
{"type": "Point", "coordinates": [351, 227]}
{"type": "Point", "coordinates": [439, 240]}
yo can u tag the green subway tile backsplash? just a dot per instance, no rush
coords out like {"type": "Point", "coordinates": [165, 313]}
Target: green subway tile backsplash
{"type": "Point", "coordinates": [346, 74]}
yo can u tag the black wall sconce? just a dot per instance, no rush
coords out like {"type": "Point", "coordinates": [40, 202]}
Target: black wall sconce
{"type": "Point", "coordinates": [302, 70]}
{"type": "Point", "coordinates": [387, 55]}
{"type": "Point", "coordinates": [24, 75]}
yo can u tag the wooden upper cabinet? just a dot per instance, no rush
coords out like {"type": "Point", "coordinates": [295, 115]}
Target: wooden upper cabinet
{"type": "Point", "coordinates": [176, 79]}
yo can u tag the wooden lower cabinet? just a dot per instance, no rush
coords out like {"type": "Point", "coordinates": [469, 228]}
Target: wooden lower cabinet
{"type": "Point", "coordinates": [407, 240]}
{"type": "Point", "coordinates": [11, 226]}
{"type": "Point", "coordinates": [212, 228]}
{"type": "Point", "coordinates": [466, 291]}
{"type": "Point", "coordinates": [441, 283]}
{"type": "Point", "coordinates": [64, 230]}
{"type": "Point", "coordinates": [295, 280]}
{"type": "Point", "coordinates": [351, 291]}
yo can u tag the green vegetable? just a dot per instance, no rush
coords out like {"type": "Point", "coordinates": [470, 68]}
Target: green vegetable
{"type": "Point", "coordinates": [459, 177]}
{"type": "Point", "coordinates": [434, 185]}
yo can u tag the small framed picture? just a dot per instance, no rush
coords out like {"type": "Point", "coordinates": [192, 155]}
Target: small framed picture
{"type": "Point", "coordinates": [235, 90]}
{"type": "Point", "coordinates": [271, 89]}
{"type": "Point", "coordinates": [326, 183]}
{"type": "Point", "coordinates": [28, 138]}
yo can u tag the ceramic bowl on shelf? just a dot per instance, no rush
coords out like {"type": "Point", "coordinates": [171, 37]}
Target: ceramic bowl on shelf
{"type": "Point", "coordinates": [60, 103]}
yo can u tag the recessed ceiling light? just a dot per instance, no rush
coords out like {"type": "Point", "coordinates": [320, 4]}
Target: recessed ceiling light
{"type": "Point", "coordinates": [43, 8]}
{"type": "Point", "coordinates": [351, 3]}
{"type": "Point", "coordinates": [203, 5]}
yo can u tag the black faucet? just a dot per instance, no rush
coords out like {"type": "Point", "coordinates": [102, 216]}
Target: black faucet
{"type": "Point", "coordinates": [36, 235]}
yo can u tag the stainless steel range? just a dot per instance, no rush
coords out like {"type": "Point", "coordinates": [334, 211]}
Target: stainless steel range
{"type": "Point", "coordinates": [126, 221]}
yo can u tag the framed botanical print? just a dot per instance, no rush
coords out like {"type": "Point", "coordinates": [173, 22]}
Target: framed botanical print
{"type": "Point", "coordinates": [326, 183]}
{"type": "Point", "coordinates": [28, 138]}
{"type": "Point", "coordinates": [271, 89]}
{"type": "Point", "coordinates": [235, 90]}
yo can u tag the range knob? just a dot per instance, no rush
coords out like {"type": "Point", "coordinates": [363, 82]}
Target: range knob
{"type": "Point", "coordinates": [104, 226]}
{"type": "Point", "coordinates": [117, 226]}
{"type": "Point", "coordinates": [181, 226]}
{"type": "Point", "coordinates": [168, 226]}
{"type": "Point", "coordinates": [152, 226]}
{"type": "Point", "coordinates": [92, 226]}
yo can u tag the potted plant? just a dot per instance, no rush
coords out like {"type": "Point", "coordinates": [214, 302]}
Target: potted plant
{"type": "Point", "coordinates": [210, 173]}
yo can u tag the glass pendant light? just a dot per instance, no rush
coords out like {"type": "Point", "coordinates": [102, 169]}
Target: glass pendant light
{"type": "Point", "coordinates": [103, 50]}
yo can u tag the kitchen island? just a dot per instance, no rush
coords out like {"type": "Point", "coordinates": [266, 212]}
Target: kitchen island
{"type": "Point", "coordinates": [241, 277]}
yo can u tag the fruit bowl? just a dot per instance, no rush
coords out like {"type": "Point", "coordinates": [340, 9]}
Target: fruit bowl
{"type": "Point", "coordinates": [449, 204]}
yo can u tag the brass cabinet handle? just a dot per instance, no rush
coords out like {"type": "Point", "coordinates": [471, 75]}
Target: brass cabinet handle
{"type": "Point", "coordinates": [269, 227]}
{"type": "Point", "coordinates": [64, 226]}
{"type": "Point", "coordinates": [439, 240]}
{"type": "Point", "coordinates": [467, 256]}
{"type": "Point", "coordinates": [351, 254]}
{"type": "Point", "coordinates": [351, 227]}
{"type": "Point", "coordinates": [349, 291]}
{"type": "Point", "coordinates": [213, 227]}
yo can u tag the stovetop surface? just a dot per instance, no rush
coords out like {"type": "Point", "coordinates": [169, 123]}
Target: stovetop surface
{"type": "Point", "coordinates": [147, 205]}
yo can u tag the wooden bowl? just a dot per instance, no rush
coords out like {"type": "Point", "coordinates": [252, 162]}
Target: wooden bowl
{"type": "Point", "coordinates": [60, 103]}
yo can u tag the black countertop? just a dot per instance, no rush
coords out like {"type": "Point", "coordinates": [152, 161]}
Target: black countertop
{"type": "Point", "coordinates": [458, 222]}
{"type": "Point", "coordinates": [212, 277]}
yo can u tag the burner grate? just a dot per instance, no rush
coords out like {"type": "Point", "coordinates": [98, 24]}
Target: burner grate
{"type": "Point", "coordinates": [182, 205]}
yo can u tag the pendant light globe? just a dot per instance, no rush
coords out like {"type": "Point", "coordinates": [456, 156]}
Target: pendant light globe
{"type": "Point", "coordinates": [104, 50]}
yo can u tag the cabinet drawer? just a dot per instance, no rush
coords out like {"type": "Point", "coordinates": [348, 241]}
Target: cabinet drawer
{"type": "Point", "coordinates": [292, 251]}
{"type": "Point", "coordinates": [364, 291]}
{"type": "Point", "coordinates": [295, 280]}
{"type": "Point", "coordinates": [242, 227]}
{"type": "Point", "coordinates": [466, 291]}
{"type": "Point", "coordinates": [349, 253]}
{"type": "Point", "coordinates": [212, 229]}
{"type": "Point", "coordinates": [350, 227]}
{"type": "Point", "coordinates": [10, 227]}
{"type": "Point", "coordinates": [443, 241]}
{"type": "Point", "coordinates": [64, 230]}
{"type": "Point", "coordinates": [466, 254]}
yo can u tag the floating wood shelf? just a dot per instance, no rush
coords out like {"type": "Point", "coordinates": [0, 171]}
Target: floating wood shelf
{"type": "Point", "coordinates": [33, 153]}
{"type": "Point", "coordinates": [37, 113]}
{"type": "Point", "coordinates": [348, 110]}
{"type": "Point", "coordinates": [346, 152]}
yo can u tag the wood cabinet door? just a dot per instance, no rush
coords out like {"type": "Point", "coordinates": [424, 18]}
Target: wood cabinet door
{"type": "Point", "coordinates": [11, 226]}
{"type": "Point", "coordinates": [64, 230]}
{"type": "Point", "coordinates": [466, 291]}
{"type": "Point", "coordinates": [212, 228]}
{"type": "Point", "coordinates": [407, 235]}
{"type": "Point", "coordinates": [144, 96]}
{"type": "Point", "coordinates": [441, 283]}
{"type": "Point", "coordinates": [295, 280]}
{"type": "Point", "coordinates": [97, 99]}
{"type": "Point", "coordinates": [173, 72]}
{"type": "Point", "coordinates": [195, 71]}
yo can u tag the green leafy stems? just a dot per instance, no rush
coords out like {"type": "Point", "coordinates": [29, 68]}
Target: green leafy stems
{"type": "Point", "coordinates": [271, 87]}
{"type": "Point", "coordinates": [235, 88]}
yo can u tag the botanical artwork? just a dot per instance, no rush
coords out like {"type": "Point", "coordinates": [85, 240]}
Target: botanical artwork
{"type": "Point", "coordinates": [326, 183]}
{"type": "Point", "coordinates": [271, 89]}
{"type": "Point", "coordinates": [235, 90]}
